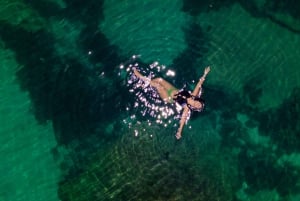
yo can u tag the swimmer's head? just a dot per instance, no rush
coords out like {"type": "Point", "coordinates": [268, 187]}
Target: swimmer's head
{"type": "Point", "coordinates": [196, 104]}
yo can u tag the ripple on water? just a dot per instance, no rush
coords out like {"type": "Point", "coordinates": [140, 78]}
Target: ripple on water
{"type": "Point", "coordinates": [147, 104]}
{"type": "Point", "coordinates": [246, 50]}
{"type": "Point", "coordinates": [157, 35]}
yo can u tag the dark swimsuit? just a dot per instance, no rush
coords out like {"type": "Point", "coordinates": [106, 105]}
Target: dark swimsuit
{"type": "Point", "coordinates": [182, 96]}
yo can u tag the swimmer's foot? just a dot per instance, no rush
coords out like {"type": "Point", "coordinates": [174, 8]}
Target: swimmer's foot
{"type": "Point", "coordinates": [145, 79]}
{"type": "Point", "coordinates": [137, 73]}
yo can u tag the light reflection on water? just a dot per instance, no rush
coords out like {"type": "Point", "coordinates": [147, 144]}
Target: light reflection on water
{"type": "Point", "coordinates": [147, 105]}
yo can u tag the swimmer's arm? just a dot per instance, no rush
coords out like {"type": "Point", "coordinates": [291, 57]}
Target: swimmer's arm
{"type": "Point", "coordinates": [184, 118]}
{"type": "Point", "coordinates": [200, 82]}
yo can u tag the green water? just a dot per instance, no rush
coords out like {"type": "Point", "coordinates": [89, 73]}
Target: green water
{"type": "Point", "coordinates": [72, 128]}
{"type": "Point", "coordinates": [28, 171]}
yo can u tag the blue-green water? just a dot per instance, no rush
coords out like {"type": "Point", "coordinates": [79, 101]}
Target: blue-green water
{"type": "Point", "coordinates": [75, 127]}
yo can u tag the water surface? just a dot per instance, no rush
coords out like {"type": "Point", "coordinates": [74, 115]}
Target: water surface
{"type": "Point", "coordinates": [76, 125]}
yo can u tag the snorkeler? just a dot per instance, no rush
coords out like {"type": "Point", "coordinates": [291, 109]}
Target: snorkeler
{"type": "Point", "coordinates": [187, 100]}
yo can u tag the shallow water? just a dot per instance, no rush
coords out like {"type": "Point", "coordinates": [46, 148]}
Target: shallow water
{"type": "Point", "coordinates": [77, 125]}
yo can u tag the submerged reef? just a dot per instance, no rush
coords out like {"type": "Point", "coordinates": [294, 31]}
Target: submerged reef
{"type": "Point", "coordinates": [153, 166]}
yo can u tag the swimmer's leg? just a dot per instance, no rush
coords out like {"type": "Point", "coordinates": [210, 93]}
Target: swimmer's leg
{"type": "Point", "coordinates": [165, 90]}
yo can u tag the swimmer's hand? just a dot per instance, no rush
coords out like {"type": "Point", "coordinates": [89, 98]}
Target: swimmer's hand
{"type": "Point", "coordinates": [206, 71]}
{"type": "Point", "coordinates": [178, 135]}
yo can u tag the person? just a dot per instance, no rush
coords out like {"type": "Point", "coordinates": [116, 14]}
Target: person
{"type": "Point", "coordinates": [189, 101]}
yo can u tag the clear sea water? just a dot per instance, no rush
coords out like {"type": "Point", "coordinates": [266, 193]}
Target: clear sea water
{"type": "Point", "coordinates": [75, 125]}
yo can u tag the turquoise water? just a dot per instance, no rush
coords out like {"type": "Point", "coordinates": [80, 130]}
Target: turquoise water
{"type": "Point", "coordinates": [75, 126]}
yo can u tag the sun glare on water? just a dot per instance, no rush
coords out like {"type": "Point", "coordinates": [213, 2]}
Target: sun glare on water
{"type": "Point", "coordinates": [147, 104]}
